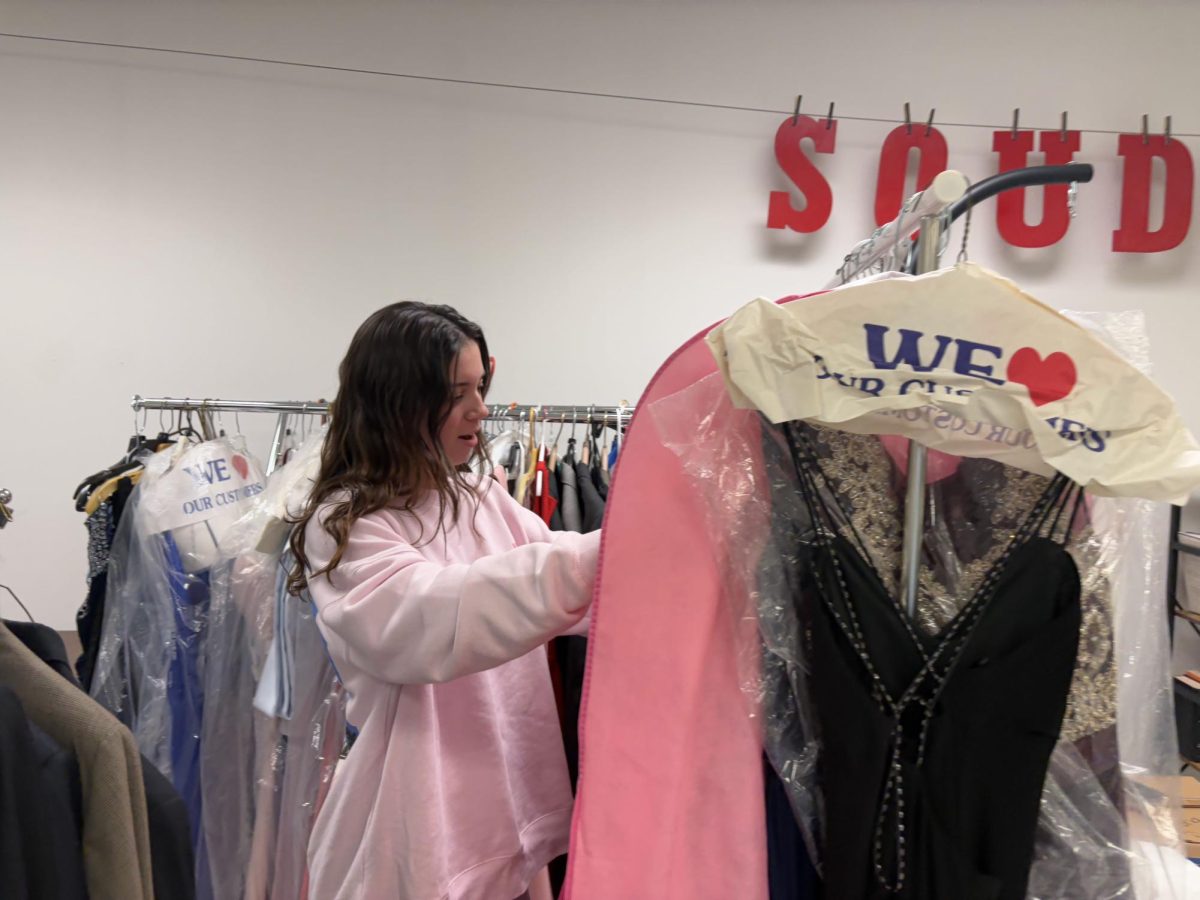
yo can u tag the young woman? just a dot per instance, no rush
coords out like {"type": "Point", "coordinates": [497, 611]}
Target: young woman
{"type": "Point", "coordinates": [435, 592]}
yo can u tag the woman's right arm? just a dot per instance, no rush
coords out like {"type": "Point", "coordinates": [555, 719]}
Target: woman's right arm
{"type": "Point", "coordinates": [403, 619]}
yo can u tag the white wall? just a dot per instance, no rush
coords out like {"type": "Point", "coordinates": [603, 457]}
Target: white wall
{"type": "Point", "coordinates": [204, 227]}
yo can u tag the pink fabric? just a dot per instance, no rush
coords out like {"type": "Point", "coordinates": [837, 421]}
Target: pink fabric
{"type": "Point", "coordinates": [670, 800]}
{"type": "Point", "coordinates": [456, 790]}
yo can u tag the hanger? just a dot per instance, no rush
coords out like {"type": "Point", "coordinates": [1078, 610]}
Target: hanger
{"type": "Point", "coordinates": [607, 443]}
{"type": "Point", "coordinates": [569, 456]}
{"type": "Point", "coordinates": [1137, 447]}
{"type": "Point", "coordinates": [562, 424]}
{"type": "Point", "coordinates": [206, 427]}
{"type": "Point", "coordinates": [539, 487]}
{"type": "Point", "coordinates": [595, 431]}
{"type": "Point", "coordinates": [532, 461]}
{"type": "Point", "coordinates": [138, 445]}
{"type": "Point", "coordinates": [553, 462]}
{"type": "Point", "coordinates": [585, 454]}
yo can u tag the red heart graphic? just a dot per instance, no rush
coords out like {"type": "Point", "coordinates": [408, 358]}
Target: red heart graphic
{"type": "Point", "coordinates": [243, 467]}
{"type": "Point", "coordinates": [1047, 379]}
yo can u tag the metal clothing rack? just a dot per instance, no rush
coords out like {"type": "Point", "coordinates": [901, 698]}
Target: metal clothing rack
{"type": "Point", "coordinates": [1175, 609]}
{"type": "Point", "coordinates": [935, 209]}
{"type": "Point", "coordinates": [1186, 700]}
{"type": "Point", "coordinates": [609, 416]}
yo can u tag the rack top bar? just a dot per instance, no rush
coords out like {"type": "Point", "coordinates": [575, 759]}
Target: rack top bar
{"type": "Point", "coordinates": [581, 412]}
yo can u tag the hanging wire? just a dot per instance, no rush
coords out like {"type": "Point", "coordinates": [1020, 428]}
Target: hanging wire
{"type": "Point", "coordinates": [13, 594]}
{"type": "Point", "coordinates": [504, 85]}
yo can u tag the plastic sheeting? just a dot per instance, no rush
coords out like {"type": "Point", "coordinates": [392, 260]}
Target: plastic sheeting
{"type": "Point", "coordinates": [1108, 820]}
{"type": "Point", "coordinates": [148, 669]}
{"type": "Point", "coordinates": [192, 615]}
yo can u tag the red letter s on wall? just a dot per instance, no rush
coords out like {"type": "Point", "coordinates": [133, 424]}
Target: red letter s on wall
{"type": "Point", "coordinates": [808, 178]}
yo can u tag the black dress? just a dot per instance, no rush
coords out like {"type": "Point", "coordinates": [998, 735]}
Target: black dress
{"type": "Point", "coordinates": [933, 747]}
{"type": "Point", "coordinates": [970, 801]}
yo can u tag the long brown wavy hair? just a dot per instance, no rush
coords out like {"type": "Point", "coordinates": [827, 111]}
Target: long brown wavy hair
{"type": "Point", "coordinates": [382, 449]}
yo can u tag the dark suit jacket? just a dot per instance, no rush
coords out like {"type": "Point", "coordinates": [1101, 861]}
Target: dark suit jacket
{"type": "Point", "coordinates": [28, 867]}
{"type": "Point", "coordinates": [63, 798]}
{"type": "Point", "coordinates": [593, 503]}
{"type": "Point", "coordinates": [171, 856]}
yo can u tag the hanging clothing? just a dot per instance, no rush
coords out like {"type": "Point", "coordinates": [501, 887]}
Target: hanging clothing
{"type": "Point", "coordinates": [32, 835]}
{"type": "Point", "coordinates": [790, 872]}
{"type": "Point", "coordinates": [265, 770]}
{"type": "Point", "coordinates": [556, 520]}
{"type": "Point", "coordinates": [436, 630]}
{"type": "Point", "coordinates": [515, 467]}
{"type": "Point", "coordinates": [180, 522]}
{"type": "Point", "coordinates": [971, 800]}
{"type": "Point", "coordinates": [599, 478]}
{"type": "Point", "coordinates": [193, 608]}
{"type": "Point", "coordinates": [523, 492]}
{"type": "Point", "coordinates": [500, 447]}
{"type": "Point", "coordinates": [172, 860]}
{"type": "Point", "coordinates": [116, 841]}
{"type": "Point", "coordinates": [172, 864]}
{"type": "Point", "coordinates": [544, 502]}
{"type": "Point", "coordinates": [572, 510]}
{"type": "Point", "coordinates": [592, 502]}
{"type": "Point", "coordinates": [663, 628]}
{"type": "Point", "coordinates": [185, 686]}
{"type": "Point", "coordinates": [700, 765]}
{"type": "Point", "coordinates": [101, 527]}
{"type": "Point", "coordinates": [240, 627]}
{"type": "Point", "coordinates": [239, 630]}
{"type": "Point", "coordinates": [571, 656]}
{"type": "Point", "coordinates": [311, 737]}
{"type": "Point", "coordinates": [934, 747]}
{"type": "Point", "coordinates": [46, 643]}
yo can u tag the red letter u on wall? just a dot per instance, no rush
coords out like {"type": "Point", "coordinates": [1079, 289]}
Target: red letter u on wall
{"type": "Point", "coordinates": [807, 177]}
{"type": "Point", "coordinates": [1014, 153]}
{"type": "Point", "coordinates": [1134, 235]}
{"type": "Point", "coordinates": [893, 167]}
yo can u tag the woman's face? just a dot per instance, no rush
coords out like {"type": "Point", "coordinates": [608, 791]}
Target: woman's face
{"type": "Point", "coordinates": [460, 434]}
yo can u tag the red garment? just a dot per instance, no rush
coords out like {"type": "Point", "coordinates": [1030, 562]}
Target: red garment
{"type": "Point", "coordinates": [543, 503]}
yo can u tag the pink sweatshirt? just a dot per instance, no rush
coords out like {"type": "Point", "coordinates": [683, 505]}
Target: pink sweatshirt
{"type": "Point", "coordinates": [457, 786]}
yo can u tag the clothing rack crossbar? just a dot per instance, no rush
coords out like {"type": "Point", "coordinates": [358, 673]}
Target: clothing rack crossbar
{"type": "Point", "coordinates": [498, 412]}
